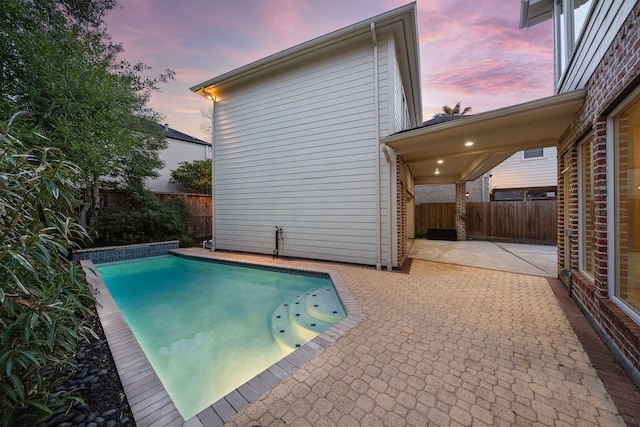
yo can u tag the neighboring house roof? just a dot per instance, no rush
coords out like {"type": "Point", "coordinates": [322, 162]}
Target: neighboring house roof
{"type": "Point", "coordinates": [402, 21]}
{"type": "Point", "coordinates": [442, 119]}
{"type": "Point", "coordinates": [174, 134]}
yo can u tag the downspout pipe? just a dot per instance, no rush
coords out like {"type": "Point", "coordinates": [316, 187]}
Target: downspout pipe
{"type": "Point", "coordinates": [213, 168]}
{"type": "Point", "coordinates": [376, 102]}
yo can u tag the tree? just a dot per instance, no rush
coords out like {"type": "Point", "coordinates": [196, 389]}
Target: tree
{"type": "Point", "coordinates": [205, 126]}
{"type": "Point", "coordinates": [194, 177]}
{"type": "Point", "coordinates": [455, 111]}
{"type": "Point", "coordinates": [44, 299]}
{"type": "Point", "coordinates": [59, 66]}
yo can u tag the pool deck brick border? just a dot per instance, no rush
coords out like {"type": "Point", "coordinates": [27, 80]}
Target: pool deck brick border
{"type": "Point", "coordinates": [149, 401]}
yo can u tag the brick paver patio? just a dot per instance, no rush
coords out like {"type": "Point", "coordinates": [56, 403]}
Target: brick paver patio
{"type": "Point", "coordinates": [442, 345]}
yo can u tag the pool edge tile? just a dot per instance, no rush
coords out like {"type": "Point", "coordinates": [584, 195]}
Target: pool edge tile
{"type": "Point", "coordinates": [158, 410]}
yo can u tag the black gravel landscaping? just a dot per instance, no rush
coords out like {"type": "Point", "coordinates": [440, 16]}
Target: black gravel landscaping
{"type": "Point", "coordinates": [97, 381]}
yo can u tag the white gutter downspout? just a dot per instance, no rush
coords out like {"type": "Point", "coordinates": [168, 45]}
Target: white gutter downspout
{"type": "Point", "coordinates": [377, 125]}
{"type": "Point", "coordinates": [213, 168]}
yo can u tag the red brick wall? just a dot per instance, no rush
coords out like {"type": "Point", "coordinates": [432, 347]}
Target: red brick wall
{"type": "Point", "coordinates": [401, 206]}
{"type": "Point", "coordinates": [615, 76]}
{"type": "Point", "coordinates": [461, 211]}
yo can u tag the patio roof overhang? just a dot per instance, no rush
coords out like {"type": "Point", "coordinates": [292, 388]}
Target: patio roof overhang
{"type": "Point", "coordinates": [496, 135]}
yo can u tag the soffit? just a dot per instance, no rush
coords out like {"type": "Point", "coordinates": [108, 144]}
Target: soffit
{"type": "Point", "coordinates": [533, 12]}
{"type": "Point", "coordinates": [496, 135]}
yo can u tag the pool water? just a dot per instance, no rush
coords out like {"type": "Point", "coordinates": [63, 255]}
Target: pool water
{"type": "Point", "coordinates": [207, 327]}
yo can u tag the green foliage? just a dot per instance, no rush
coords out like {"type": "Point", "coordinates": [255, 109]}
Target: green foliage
{"type": "Point", "coordinates": [44, 299]}
{"type": "Point", "coordinates": [57, 63]}
{"type": "Point", "coordinates": [143, 220]}
{"type": "Point", "coordinates": [194, 177]}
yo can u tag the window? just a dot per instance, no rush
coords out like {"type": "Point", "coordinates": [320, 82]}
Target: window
{"type": "Point", "coordinates": [514, 194]}
{"type": "Point", "coordinates": [568, 28]}
{"type": "Point", "coordinates": [533, 154]}
{"type": "Point", "coordinates": [406, 122]}
{"type": "Point", "coordinates": [560, 27]}
{"type": "Point", "coordinates": [626, 139]}
{"type": "Point", "coordinates": [587, 209]}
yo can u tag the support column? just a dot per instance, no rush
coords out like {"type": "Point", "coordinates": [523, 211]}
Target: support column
{"type": "Point", "coordinates": [461, 210]}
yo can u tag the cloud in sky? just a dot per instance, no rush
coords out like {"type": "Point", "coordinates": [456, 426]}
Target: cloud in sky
{"type": "Point", "coordinates": [470, 50]}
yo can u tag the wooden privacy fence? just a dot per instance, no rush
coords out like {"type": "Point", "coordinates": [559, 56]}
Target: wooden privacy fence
{"type": "Point", "coordinates": [520, 221]}
{"type": "Point", "coordinates": [199, 206]}
{"type": "Point", "coordinates": [434, 215]}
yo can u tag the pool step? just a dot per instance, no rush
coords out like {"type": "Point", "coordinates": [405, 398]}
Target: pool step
{"type": "Point", "coordinates": [304, 317]}
{"type": "Point", "coordinates": [284, 334]}
{"type": "Point", "coordinates": [324, 304]}
{"type": "Point", "coordinates": [306, 325]}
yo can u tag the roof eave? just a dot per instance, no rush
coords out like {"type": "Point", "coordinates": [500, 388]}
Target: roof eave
{"type": "Point", "coordinates": [356, 30]}
{"type": "Point", "coordinates": [533, 12]}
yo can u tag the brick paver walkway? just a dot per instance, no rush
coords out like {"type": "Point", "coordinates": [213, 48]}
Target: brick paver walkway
{"type": "Point", "coordinates": [443, 345]}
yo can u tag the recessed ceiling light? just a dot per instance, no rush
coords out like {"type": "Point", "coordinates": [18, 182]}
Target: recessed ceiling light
{"type": "Point", "coordinates": [437, 172]}
{"type": "Point", "coordinates": [440, 162]}
{"type": "Point", "coordinates": [468, 143]}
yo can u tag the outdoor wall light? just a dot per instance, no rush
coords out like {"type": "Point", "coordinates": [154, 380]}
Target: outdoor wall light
{"type": "Point", "coordinates": [466, 194]}
{"type": "Point", "coordinates": [207, 94]}
{"type": "Point", "coordinates": [437, 172]}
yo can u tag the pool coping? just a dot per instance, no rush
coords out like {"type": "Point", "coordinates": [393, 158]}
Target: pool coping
{"type": "Point", "coordinates": [149, 401]}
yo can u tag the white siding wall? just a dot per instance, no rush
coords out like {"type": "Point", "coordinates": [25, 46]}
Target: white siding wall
{"type": "Point", "coordinates": [177, 151]}
{"type": "Point", "coordinates": [297, 150]}
{"type": "Point", "coordinates": [401, 110]}
{"type": "Point", "coordinates": [517, 172]}
{"type": "Point", "coordinates": [607, 19]}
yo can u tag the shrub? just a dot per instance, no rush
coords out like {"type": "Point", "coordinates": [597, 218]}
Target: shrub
{"type": "Point", "coordinates": [194, 177]}
{"type": "Point", "coordinates": [143, 219]}
{"type": "Point", "coordinates": [44, 299]}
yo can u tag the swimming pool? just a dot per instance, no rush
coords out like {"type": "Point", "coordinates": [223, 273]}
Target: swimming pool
{"type": "Point", "coordinates": [207, 327]}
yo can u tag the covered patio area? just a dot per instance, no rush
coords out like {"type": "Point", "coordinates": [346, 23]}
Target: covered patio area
{"type": "Point", "coordinates": [457, 151]}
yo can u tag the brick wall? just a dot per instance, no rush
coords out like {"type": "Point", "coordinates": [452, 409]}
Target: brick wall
{"type": "Point", "coordinates": [615, 77]}
{"type": "Point", "coordinates": [401, 197]}
{"type": "Point", "coordinates": [446, 193]}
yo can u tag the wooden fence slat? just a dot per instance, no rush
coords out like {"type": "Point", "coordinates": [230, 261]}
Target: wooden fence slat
{"type": "Point", "coordinates": [524, 221]}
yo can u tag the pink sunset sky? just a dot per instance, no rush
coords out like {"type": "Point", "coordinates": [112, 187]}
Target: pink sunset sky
{"type": "Point", "coordinates": [470, 50]}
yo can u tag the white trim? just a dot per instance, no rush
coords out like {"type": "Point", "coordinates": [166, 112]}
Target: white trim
{"type": "Point", "coordinates": [611, 210]}
{"type": "Point", "coordinates": [581, 206]}
{"type": "Point", "coordinates": [213, 174]}
{"type": "Point", "coordinates": [376, 111]}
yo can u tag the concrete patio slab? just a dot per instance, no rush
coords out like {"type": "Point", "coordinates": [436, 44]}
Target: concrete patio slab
{"type": "Point", "coordinates": [540, 260]}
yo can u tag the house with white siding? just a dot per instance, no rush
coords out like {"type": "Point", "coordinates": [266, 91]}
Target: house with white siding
{"type": "Point", "coordinates": [527, 175]}
{"type": "Point", "coordinates": [180, 148]}
{"type": "Point", "coordinates": [296, 145]}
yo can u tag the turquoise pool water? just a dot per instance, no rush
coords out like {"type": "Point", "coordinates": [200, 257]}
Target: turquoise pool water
{"type": "Point", "coordinates": [206, 327]}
